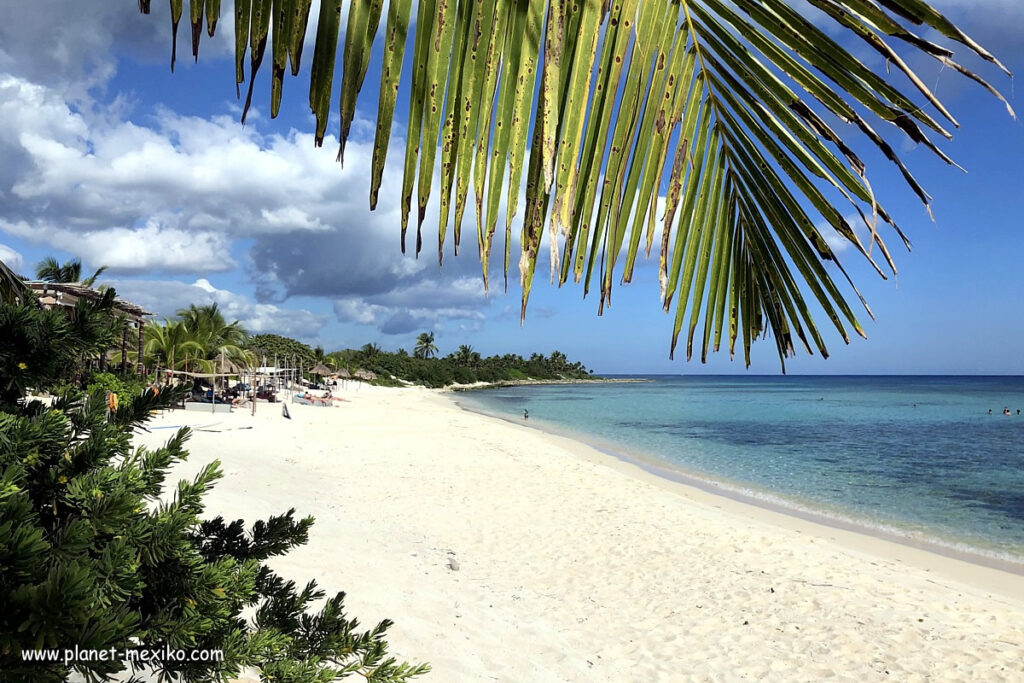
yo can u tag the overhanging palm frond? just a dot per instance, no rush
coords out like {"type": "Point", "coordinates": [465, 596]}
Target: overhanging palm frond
{"type": "Point", "coordinates": [91, 280]}
{"type": "Point", "coordinates": [722, 105]}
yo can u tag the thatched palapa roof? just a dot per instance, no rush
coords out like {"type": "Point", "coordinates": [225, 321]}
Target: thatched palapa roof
{"type": "Point", "coordinates": [67, 293]}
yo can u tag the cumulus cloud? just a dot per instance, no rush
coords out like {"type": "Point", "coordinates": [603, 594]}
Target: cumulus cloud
{"type": "Point", "coordinates": [12, 258]}
{"type": "Point", "coordinates": [427, 303]}
{"type": "Point", "coordinates": [69, 172]}
{"type": "Point", "coordinates": [149, 190]}
{"type": "Point", "coordinates": [126, 251]}
{"type": "Point", "coordinates": [178, 194]}
{"type": "Point", "coordinates": [165, 297]}
{"type": "Point", "coordinates": [75, 45]}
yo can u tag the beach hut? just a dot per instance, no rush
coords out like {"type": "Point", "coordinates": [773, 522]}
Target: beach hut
{"type": "Point", "coordinates": [64, 295]}
{"type": "Point", "coordinates": [321, 370]}
{"type": "Point", "coordinates": [226, 367]}
{"type": "Point", "coordinates": [342, 375]}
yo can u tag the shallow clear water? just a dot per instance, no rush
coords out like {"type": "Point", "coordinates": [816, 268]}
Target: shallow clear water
{"type": "Point", "coordinates": [916, 456]}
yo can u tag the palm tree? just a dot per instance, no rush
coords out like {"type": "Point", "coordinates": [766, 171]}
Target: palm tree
{"type": "Point", "coordinates": [424, 346]}
{"type": "Point", "coordinates": [725, 108]}
{"type": "Point", "coordinates": [466, 355]}
{"type": "Point", "coordinates": [370, 351]}
{"type": "Point", "coordinates": [209, 327]}
{"type": "Point", "coordinates": [49, 270]}
{"type": "Point", "coordinates": [172, 346]}
{"type": "Point", "coordinates": [557, 362]}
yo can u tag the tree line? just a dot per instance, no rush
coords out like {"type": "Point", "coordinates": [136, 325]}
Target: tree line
{"type": "Point", "coordinates": [200, 338]}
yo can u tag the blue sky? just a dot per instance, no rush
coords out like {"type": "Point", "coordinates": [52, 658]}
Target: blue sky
{"type": "Point", "coordinates": [111, 158]}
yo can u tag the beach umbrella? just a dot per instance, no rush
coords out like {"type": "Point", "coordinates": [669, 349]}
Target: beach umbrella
{"type": "Point", "coordinates": [365, 374]}
{"type": "Point", "coordinates": [343, 374]}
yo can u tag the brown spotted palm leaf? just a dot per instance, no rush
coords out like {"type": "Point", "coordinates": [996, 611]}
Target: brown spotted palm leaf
{"type": "Point", "coordinates": [720, 132]}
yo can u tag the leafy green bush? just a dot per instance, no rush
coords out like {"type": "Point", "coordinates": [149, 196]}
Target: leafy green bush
{"type": "Point", "coordinates": [270, 345]}
{"type": "Point", "coordinates": [96, 554]}
{"type": "Point", "coordinates": [126, 387]}
{"type": "Point", "coordinates": [462, 367]}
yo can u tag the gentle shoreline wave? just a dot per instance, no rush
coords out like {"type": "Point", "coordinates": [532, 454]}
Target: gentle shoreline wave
{"type": "Point", "coordinates": [916, 536]}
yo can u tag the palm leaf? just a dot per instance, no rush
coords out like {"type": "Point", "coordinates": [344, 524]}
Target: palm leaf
{"type": "Point", "coordinates": [718, 106]}
{"type": "Point", "coordinates": [12, 287]}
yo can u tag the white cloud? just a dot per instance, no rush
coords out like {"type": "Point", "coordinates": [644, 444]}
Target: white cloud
{"type": "Point", "coordinates": [85, 173]}
{"type": "Point", "coordinates": [179, 194]}
{"type": "Point", "coordinates": [356, 310]}
{"type": "Point", "coordinates": [165, 297]}
{"type": "Point", "coordinates": [75, 45]}
{"type": "Point", "coordinates": [136, 250]}
{"type": "Point", "coordinates": [12, 258]}
{"type": "Point", "coordinates": [840, 244]}
{"type": "Point", "coordinates": [428, 303]}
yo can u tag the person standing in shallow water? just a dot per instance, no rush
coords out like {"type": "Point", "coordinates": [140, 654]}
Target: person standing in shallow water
{"type": "Point", "coordinates": [526, 414]}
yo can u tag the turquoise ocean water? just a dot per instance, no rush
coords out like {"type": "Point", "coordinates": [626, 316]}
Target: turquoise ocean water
{"type": "Point", "coordinates": [915, 457]}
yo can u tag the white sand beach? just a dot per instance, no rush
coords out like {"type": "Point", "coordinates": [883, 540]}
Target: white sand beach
{"type": "Point", "coordinates": [575, 566]}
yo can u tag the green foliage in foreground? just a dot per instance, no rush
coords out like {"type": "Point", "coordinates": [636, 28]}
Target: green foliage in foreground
{"type": "Point", "coordinates": [96, 553]}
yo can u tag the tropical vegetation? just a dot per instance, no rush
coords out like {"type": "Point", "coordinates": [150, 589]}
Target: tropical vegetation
{"type": "Point", "coordinates": [213, 332]}
{"type": "Point", "coordinates": [98, 553]}
{"type": "Point", "coordinates": [199, 340]}
{"type": "Point", "coordinates": [171, 346]}
{"type": "Point", "coordinates": [462, 366]}
{"type": "Point", "coordinates": [50, 270]}
{"type": "Point", "coordinates": [185, 345]}
{"type": "Point", "coordinates": [424, 347]}
{"type": "Point", "coordinates": [268, 347]}
{"type": "Point", "coordinates": [746, 116]}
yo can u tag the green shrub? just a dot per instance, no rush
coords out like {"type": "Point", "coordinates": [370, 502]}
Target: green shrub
{"type": "Point", "coordinates": [126, 387]}
{"type": "Point", "coordinates": [269, 346]}
{"type": "Point", "coordinates": [464, 367]}
{"type": "Point", "coordinates": [96, 554]}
